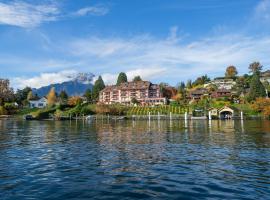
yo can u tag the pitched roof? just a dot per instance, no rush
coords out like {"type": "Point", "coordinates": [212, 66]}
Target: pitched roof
{"type": "Point", "coordinates": [134, 85]}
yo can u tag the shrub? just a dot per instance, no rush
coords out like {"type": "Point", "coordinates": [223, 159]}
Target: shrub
{"type": "Point", "coordinates": [3, 111]}
{"type": "Point", "coordinates": [11, 108]}
{"type": "Point", "coordinates": [76, 100]}
{"type": "Point", "coordinates": [43, 113]}
{"type": "Point", "coordinates": [87, 110]}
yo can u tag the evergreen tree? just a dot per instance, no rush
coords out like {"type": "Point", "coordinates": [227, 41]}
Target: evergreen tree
{"type": "Point", "coordinates": [63, 96]}
{"type": "Point", "coordinates": [98, 86]}
{"type": "Point", "coordinates": [88, 95]}
{"type": "Point", "coordinates": [137, 78]}
{"type": "Point", "coordinates": [51, 97]}
{"type": "Point", "coordinates": [189, 84]}
{"type": "Point", "coordinates": [256, 87]}
{"type": "Point", "coordinates": [122, 78]}
{"type": "Point", "coordinates": [21, 95]}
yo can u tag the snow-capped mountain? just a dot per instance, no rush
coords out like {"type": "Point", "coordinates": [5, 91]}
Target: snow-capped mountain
{"type": "Point", "coordinates": [77, 85]}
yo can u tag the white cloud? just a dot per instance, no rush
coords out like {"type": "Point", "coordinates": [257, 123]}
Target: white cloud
{"type": "Point", "coordinates": [93, 10]}
{"type": "Point", "coordinates": [26, 15]}
{"type": "Point", "coordinates": [156, 59]}
{"type": "Point", "coordinates": [178, 60]}
{"type": "Point", "coordinates": [22, 14]}
{"type": "Point", "coordinates": [145, 74]}
{"type": "Point", "coordinates": [44, 79]}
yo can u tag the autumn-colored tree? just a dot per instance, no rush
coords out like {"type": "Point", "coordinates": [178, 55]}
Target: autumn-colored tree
{"type": "Point", "coordinates": [30, 96]}
{"type": "Point", "coordinates": [262, 105]}
{"type": "Point", "coordinates": [231, 72]}
{"type": "Point", "coordinates": [266, 111]}
{"type": "Point", "coordinates": [75, 100]}
{"type": "Point", "coordinates": [51, 97]}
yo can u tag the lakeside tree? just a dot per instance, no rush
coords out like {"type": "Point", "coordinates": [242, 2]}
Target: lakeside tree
{"type": "Point", "coordinates": [6, 92]}
{"type": "Point", "coordinates": [122, 78]}
{"type": "Point", "coordinates": [75, 100]}
{"type": "Point", "coordinates": [231, 72]}
{"type": "Point", "coordinates": [98, 86]}
{"type": "Point", "coordinates": [137, 78]}
{"type": "Point", "coordinates": [255, 67]}
{"type": "Point", "coordinates": [181, 90]}
{"type": "Point", "coordinates": [201, 80]}
{"type": "Point", "coordinates": [256, 87]}
{"type": "Point", "coordinates": [21, 96]}
{"type": "Point", "coordinates": [189, 84]}
{"type": "Point", "coordinates": [88, 95]}
{"type": "Point", "coordinates": [63, 96]}
{"type": "Point", "coordinates": [30, 96]}
{"type": "Point", "coordinates": [51, 97]}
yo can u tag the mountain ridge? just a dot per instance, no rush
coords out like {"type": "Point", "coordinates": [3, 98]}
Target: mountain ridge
{"type": "Point", "coordinates": [76, 86]}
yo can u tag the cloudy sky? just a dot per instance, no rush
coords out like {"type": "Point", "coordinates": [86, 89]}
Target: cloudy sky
{"type": "Point", "coordinates": [46, 41]}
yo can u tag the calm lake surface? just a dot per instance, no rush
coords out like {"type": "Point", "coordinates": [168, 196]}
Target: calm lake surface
{"type": "Point", "coordinates": [134, 160]}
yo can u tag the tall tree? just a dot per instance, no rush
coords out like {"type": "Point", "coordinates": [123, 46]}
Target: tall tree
{"type": "Point", "coordinates": [63, 96]}
{"type": "Point", "coordinates": [231, 72]}
{"type": "Point", "coordinates": [98, 86]}
{"type": "Point", "coordinates": [201, 80]}
{"type": "Point", "coordinates": [189, 84]}
{"type": "Point", "coordinates": [30, 96]}
{"type": "Point", "coordinates": [181, 90]}
{"type": "Point", "coordinates": [88, 95]}
{"type": "Point", "coordinates": [6, 92]}
{"type": "Point", "coordinates": [21, 96]}
{"type": "Point", "coordinates": [256, 87]}
{"type": "Point", "coordinates": [51, 97]}
{"type": "Point", "coordinates": [122, 78]}
{"type": "Point", "coordinates": [137, 78]}
{"type": "Point", "coordinates": [255, 67]}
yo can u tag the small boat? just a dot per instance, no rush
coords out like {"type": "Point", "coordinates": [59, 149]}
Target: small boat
{"type": "Point", "coordinates": [202, 117]}
{"type": "Point", "coordinates": [89, 117]}
{"type": "Point", "coordinates": [120, 118]}
{"type": "Point", "coordinates": [28, 117]}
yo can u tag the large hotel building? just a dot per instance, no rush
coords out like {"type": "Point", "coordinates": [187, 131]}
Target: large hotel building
{"type": "Point", "coordinates": [143, 91]}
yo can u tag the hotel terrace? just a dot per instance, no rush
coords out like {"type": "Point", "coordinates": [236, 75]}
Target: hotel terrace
{"type": "Point", "coordinates": [143, 91]}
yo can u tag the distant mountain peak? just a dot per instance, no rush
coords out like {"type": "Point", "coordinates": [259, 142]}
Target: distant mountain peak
{"type": "Point", "coordinates": [77, 85]}
{"type": "Point", "coordinates": [85, 78]}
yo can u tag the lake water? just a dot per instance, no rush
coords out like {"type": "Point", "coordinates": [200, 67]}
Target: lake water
{"type": "Point", "coordinates": [134, 160]}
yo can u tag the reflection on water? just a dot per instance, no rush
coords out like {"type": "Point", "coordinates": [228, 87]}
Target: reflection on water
{"type": "Point", "coordinates": [135, 159]}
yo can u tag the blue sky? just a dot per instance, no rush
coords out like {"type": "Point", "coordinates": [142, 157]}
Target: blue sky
{"type": "Point", "coordinates": [49, 41]}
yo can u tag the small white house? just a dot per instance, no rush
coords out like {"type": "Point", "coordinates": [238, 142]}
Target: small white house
{"type": "Point", "coordinates": [40, 103]}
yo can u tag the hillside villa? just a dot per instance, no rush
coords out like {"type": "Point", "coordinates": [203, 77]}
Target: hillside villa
{"type": "Point", "coordinates": [222, 83]}
{"type": "Point", "coordinates": [39, 103]}
{"type": "Point", "coordinates": [144, 92]}
{"type": "Point", "coordinates": [265, 76]}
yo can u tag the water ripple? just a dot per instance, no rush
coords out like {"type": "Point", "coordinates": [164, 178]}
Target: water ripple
{"type": "Point", "coordinates": [134, 160]}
